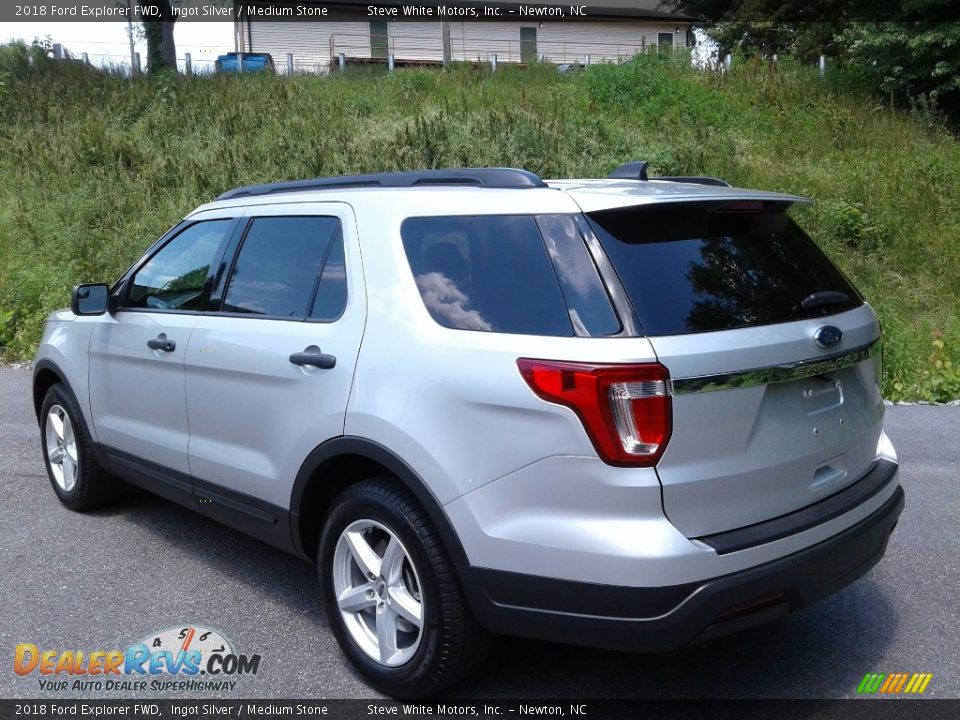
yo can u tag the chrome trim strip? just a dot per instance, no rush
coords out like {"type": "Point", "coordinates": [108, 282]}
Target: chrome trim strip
{"type": "Point", "coordinates": [775, 373]}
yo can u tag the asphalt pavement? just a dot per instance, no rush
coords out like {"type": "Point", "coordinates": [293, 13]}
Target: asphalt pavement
{"type": "Point", "coordinates": [105, 580]}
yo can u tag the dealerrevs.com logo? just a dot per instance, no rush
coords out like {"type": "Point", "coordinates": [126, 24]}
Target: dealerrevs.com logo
{"type": "Point", "coordinates": [188, 658]}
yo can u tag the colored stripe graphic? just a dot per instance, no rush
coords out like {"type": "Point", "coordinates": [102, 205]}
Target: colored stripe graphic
{"type": "Point", "coordinates": [927, 677]}
{"type": "Point", "coordinates": [900, 682]}
{"type": "Point", "coordinates": [894, 683]}
{"type": "Point", "coordinates": [871, 682]}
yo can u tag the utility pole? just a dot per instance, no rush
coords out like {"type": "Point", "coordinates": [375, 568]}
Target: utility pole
{"type": "Point", "coordinates": [445, 34]}
{"type": "Point", "coordinates": [133, 67]}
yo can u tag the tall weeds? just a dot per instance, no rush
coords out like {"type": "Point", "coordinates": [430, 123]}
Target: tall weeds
{"type": "Point", "coordinates": [95, 167]}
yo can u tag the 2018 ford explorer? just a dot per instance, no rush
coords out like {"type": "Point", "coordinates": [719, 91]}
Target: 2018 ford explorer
{"type": "Point", "coordinates": [629, 412]}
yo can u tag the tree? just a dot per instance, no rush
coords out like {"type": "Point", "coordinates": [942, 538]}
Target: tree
{"type": "Point", "coordinates": [161, 48]}
{"type": "Point", "coordinates": [804, 28]}
{"type": "Point", "coordinates": [910, 60]}
{"type": "Point", "coordinates": [805, 41]}
{"type": "Point", "coordinates": [911, 48]}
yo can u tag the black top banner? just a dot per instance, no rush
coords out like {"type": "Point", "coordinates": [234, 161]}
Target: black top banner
{"type": "Point", "coordinates": [699, 11]}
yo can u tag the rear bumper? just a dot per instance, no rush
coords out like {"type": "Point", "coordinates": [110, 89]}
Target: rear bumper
{"type": "Point", "coordinates": [663, 619]}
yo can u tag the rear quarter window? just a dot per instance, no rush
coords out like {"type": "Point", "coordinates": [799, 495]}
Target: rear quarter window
{"type": "Point", "coordinates": [696, 267]}
{"type": "Point", "coordinates": [486, 273]}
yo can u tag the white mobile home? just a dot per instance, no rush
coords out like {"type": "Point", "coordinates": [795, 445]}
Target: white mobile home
{"type": "Point", "coordinates": [521, 33]}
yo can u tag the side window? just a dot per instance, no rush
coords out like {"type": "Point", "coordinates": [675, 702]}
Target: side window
{"type": "Point", "coordinates": [175, 277]}
{"type": "Point", "coordinates": [589, 305]}
{"type": "Point", "coordinates": [489, 273]}
{"type": "Point", "coordinates": [331, 297]}
{"type": "Point", "coordinates": [276, 270]}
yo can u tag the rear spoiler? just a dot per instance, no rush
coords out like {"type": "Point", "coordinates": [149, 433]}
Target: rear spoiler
{"type": "Point", "coordinates": [637, 170]}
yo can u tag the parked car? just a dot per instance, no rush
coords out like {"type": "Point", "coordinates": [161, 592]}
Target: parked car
{"type": "Point", "coordinates": [250, 62]}
{"type": "Point", "coordinates": [632, 413]}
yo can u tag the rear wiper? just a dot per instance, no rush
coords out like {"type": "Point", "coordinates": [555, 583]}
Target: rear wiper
{"type": "Point", "coordinates": [824, 297]}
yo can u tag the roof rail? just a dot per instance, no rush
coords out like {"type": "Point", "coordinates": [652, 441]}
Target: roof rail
{"type": "Point", "coordinates": [505, 178]}
{"type": "Point", "coordinates": [637, 170]}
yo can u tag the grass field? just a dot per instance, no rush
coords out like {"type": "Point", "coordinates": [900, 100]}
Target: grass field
{"type": "Point", "coordinates": [95, 168]}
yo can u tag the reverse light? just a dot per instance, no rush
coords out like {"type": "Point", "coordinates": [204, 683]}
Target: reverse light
{"type": "Point", "coordinates": [625, 409]}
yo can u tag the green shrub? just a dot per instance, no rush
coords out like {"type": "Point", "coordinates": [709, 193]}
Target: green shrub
{"type": "Point", "coordinates": [937, 381]}
{"type": "Point", "coordinates": [659, 88]}
{"type": "Point", "coordinates": [848, 224]}
{"type": "Point", "coordinates": [18, 60]}
{"type": "Point", "coordinates": [6, 328]}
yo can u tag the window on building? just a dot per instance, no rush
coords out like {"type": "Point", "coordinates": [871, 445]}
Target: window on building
{"type": "Point", "coordinates": [665, 42]}
{"type": "Point", "coordinates": [379, 40]}
{"type": "Point", "coordinates": [528, 44]}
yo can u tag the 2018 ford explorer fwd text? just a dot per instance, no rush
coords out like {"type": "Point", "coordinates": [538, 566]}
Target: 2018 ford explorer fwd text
{"type": "Point", "coordinates": [627, 413]}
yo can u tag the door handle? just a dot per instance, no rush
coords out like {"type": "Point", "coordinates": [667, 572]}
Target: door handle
{"type": "Point", "coordinates": [160, 342]}
{"type": "Point", "coordinates": [315, 359]}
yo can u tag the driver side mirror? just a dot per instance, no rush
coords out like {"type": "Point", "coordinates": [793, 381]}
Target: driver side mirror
{"type": "Point", "coordinates": [90, 299]}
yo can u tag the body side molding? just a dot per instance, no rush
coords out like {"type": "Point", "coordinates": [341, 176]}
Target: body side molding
{"type": "Point", "coordinates": [251, 516]}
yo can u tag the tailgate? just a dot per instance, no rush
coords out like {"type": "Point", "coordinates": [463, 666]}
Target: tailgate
{"type": "Point", "coordinates": [765, 423]}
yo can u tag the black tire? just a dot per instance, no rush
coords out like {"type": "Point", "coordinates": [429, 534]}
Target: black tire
{"type": "Point", "coordinates": [93, 487]}
{"type": "Point", "coordinates": [452, 643]}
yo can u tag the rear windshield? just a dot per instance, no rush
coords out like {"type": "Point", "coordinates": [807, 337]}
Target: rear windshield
{"type": "Point", "coordinates": [696, 268]}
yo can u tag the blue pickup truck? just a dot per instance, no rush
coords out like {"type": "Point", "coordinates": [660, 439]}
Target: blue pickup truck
{"type": "Point", "coordinates": [252, 62]}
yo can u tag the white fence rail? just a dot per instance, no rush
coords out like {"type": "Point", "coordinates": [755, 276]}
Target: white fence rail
{"type": "Point", "coordinates": [416, 48]}
{"type": "Point", "coordinates": [344, 53]}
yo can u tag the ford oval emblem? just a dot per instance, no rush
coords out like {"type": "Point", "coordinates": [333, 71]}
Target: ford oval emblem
{"type": "Point", "coordinates": [828, 336]}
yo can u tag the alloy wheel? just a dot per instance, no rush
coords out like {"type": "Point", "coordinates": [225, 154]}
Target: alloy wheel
{"type": "Point", "coordinates": [62, 448]}
{"type": "Point", "coordinates": [378, 592]}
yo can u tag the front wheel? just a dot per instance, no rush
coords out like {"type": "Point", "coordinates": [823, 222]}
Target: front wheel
{"type": "Point", "coordinates": [76, 477]}
{"type": "Point", "coordinates": [393, 598]}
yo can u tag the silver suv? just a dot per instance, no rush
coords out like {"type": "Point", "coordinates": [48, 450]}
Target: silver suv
{"type": "Point", "coordinates": [629, 412]}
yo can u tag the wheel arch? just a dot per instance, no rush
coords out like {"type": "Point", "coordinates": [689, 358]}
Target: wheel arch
{"type": "Point", "coordinates": [341, 462]}
{"type": "Point", "coordinates": [46, 374]}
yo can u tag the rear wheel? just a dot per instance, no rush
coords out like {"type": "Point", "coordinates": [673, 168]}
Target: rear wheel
{"type": "Point", "coordinates": [393, 598]}
{"type": "Point", "coordinates": [74, 473]}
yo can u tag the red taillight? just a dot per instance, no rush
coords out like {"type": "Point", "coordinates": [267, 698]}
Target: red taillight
{"type": "Point", "coordinates": [626, 409]}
